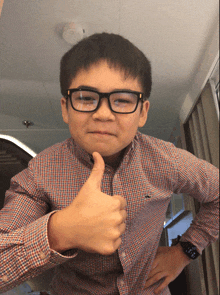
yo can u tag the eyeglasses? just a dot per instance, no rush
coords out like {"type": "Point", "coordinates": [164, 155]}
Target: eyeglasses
{"type": "Point", "coordinates": [122, 102]}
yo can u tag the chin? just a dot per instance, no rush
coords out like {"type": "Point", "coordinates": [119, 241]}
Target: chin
{"type": "Point", "coordinates": [103, 151]}
{"type": "Point", "coordinates": [104, 154]}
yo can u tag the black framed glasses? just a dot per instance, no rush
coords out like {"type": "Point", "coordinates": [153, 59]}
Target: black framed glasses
{"type": "Point", "coordinates": [88, 100]}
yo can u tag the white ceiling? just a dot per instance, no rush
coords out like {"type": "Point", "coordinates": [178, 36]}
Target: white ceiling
{"type": "Point", "coordinates": [173, 34]}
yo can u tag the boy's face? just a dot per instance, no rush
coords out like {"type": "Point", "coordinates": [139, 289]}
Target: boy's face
{"type": "Point", "coordinates": [104, 131]}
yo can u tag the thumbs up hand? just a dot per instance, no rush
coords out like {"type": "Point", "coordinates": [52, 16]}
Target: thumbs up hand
{"type": "Point", "coordinates": [94, 221]}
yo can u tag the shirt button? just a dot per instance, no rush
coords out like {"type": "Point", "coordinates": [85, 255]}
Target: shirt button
{"type": "Point", "coordinates": [123, 254]}
{"type": "Point", "coordinates": [4, 279]}
{"type": "Point", "coordinates": [42, 255]}
{"type": "Point", "coordinates": [122, 283]}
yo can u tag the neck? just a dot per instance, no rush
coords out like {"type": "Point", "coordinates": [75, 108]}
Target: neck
{"type": "Point", "coordinates": [114, 160]}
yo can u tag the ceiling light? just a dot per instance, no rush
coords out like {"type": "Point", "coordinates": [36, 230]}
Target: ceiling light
{"type": "Point", "coordinates": [27, 123]}
{"type": "Point", "coordinates": [72, 33]}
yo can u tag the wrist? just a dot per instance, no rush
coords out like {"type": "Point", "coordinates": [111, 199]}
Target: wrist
{"type": "Point", "coordinates": [57, 238]}
{"type": "Point", "coordinates": [188, 248]}
{"type": "Point", "coordinates": [182, 254]}
{"type": "Point", "coordinates": [53, 233]}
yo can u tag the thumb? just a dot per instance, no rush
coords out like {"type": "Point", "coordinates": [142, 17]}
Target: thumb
{"type": "Point", "coordinates": [97, 171]}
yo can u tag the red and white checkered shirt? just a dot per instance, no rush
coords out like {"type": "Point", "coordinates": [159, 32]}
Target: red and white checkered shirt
{"type": "Point", "coordinates": [150, 171]}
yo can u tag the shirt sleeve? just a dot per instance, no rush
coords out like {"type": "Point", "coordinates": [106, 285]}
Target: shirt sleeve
{"type": "Point", "coordinates": [24, 246]}
{"type": "Point", "coordinates": [200, 180]}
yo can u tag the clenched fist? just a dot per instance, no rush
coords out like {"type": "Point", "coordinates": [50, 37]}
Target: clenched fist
{"type": "Point", "coordinates": [93, 222]}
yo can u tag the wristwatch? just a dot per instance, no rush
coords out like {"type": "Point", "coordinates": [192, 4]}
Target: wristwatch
{"type": "Point", "coordinates": [188, 248]}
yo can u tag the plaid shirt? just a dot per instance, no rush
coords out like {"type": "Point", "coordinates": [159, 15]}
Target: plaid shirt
{"type": "Point", "coordinates": [150, 171]}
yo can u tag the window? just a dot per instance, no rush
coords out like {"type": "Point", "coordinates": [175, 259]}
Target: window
{"type": "Point", "coordinates": [175, 208]}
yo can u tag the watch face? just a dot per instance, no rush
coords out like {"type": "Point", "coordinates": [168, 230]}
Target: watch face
{"type": "Point", "coordinates": [191, 252]}
{"type": "Point", "coordinates": [189, 249]}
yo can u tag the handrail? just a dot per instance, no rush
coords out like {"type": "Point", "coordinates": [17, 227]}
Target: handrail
{"type": "Point", "coordinates": [19, 144]}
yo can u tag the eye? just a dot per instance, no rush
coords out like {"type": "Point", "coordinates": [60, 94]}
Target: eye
{"type": "Point", "coordinates": [85, 97]}
{"type": "Point", "coordinates": [122, 101]}
{"type": "Point", "coordinates": [123, 98]}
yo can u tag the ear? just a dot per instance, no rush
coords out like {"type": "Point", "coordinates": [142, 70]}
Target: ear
{"type": "Point", "coordinates": [144, 113]}
{"type": "Point", "coordinates": [64, 110]}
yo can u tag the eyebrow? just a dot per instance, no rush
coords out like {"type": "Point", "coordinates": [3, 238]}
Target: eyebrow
{"type": "Point", "coordinates": [96, 89]}
{"type": "Point", "coordinates": [87, 87]}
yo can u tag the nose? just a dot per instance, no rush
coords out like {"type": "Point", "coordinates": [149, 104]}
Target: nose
{"type": "Point", "coordinates": [103, 113]}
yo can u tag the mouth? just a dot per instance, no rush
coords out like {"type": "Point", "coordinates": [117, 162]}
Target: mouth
{"type": "Point", "coordinates": [102, 133]}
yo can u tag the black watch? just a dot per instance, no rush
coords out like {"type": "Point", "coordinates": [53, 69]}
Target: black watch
{"type": "Point", "coordinates": [189, 249]}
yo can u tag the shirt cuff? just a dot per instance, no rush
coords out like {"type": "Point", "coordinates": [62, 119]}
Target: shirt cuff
{"type": "Point", "coordinates": [193, 237]}
{"type": "Point", "coordinates": [36, 245]}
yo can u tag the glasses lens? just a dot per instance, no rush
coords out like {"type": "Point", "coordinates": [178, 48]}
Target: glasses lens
{"type": "Point", "coordinates": [84, 101]}
{"type": "Point", "coordinates": [123, 102]}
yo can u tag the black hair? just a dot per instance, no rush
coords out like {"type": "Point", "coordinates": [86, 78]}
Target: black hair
{"type": "Point", "coordinates": [119, 53]}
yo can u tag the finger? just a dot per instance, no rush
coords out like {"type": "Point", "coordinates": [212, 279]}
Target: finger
{"type": "Point", "coordinates": [154, 279]}
{"type": "Point", "coordinates": [117, 243]}
{"type": "Point", "coordinates": [124, 215]}
{"type": "Point", "coordinates": [122, 228]}
{"type": "Point", "coordinates": [122, 200]}
{"type": "Point", "coordinates": [154, 265]}
{"type": "Point", "coordinates": [162, 286]}
{"type": "Point", "coordinates": [154, 270]}
{"type": "Point", "coordinates": [97, 171]}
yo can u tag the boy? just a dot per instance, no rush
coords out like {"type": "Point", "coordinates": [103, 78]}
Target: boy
{"type": "Point", "coordinates": [94, 205]}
